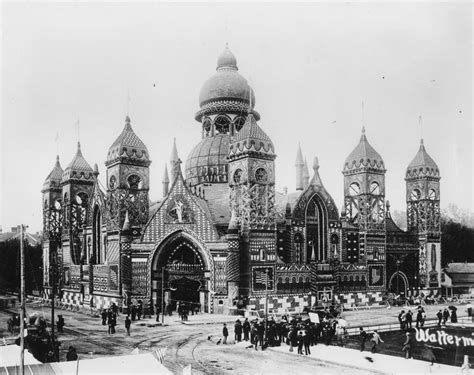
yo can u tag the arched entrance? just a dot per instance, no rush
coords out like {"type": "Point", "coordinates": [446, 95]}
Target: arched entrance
{"type": "Point", "coordinates": [178, 274]}
{"type": "Point", "coordinates": [398, 283]}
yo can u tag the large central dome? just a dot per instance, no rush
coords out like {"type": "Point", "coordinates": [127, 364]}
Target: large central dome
{"type": "Point", "coordinates": [226, 83]}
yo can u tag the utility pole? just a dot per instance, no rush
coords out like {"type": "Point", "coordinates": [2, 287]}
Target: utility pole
{"type": "Point", "coordinates": [266, 305]}
{"type": "Point", "coordinates": [22, 305]}
{"type": "Point", "coordinates": [163, 295]}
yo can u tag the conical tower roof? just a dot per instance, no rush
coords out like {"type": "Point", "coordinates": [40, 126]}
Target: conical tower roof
{"type": "Point", "coordinates": [422, 164]}
{"type": "Point", "coordinates": [78, 168]}
{"type": "Point", "coordinates": [127, 145]}
{"type": "Point", "coordinates": [364, 155]}
{"type": "Point", "coordinates": [54, 177]}
{"type": "Point", "coordinates": [251, 138]}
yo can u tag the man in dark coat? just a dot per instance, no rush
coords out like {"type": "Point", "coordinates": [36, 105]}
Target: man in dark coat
{"type": "Point", "coordinates": [104, 317]}
{"type": "Point", "coordinates": [362, 338]}
{"type": "Point", "coordinates": [246, 327]}
{"type": "Point", "coordinates": [445, 316]}
{"type": "Point", "coordinates": [60, 323]}
{"type": "Point", "coordinates": [128, 323]}
{"type": "Point", "coordinates": [225, 333]}
{"type": "Point", "coordinates": [238, 331]}
{"type": "Point", "coordinates": [439, 315]}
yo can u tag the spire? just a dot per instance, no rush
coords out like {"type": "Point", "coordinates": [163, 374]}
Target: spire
{"type": "Point", "coordinates": [126, 222]}
{"type": "Point", "coordinates": [175, 162]}
{"type": "Point", "coordinates": [165, 182]}
{"type": "Point", "coordinates": [422, 164]}
{"type": "Point", "coordinates": [78, 152]}
{"type": "Point", "coordinates": [54, 177]}
{"type": "Point", "coordinates": [316, 180]}
{"type": "Point", "coordinates": [305, 174]}
{"type": "Point", "coordinates": [299, 164]}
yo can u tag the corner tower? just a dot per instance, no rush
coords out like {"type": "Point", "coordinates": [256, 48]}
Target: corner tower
{"type": "Point", "coordinates": [128, 179]}
{"type": "Point", "coordinates": [364, 186]}
{"type": "Point", "coordinates": [52, 220]}
{"type": "Point", "coordinates": [252, 199]}
{"type": "Point", "coordinates": [423, 214]}
{"type": "Point", "coordinates": [77, 184]}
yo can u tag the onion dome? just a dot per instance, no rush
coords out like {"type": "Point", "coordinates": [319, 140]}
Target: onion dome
{"type": "Point", "coordinates": [207, 161]}
{"type": "Point", "coordinates": [422, 165]}
{"type": "Point", "coordinates": [250, 139]}
{"type": "Point", "coordinates": [127, 147]}
{"type": "Point", "coordinates": [54, 178]}
{"type": "Point", "coordinates": [78, 168]}
{"type": "Point", "coordinates": [226, 91]}
{"type": "Point", "coordinates": [363, 156]}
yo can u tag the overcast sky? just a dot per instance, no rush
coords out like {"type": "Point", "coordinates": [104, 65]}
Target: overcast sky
{"type": "Point", "coordinates": [311, 66]}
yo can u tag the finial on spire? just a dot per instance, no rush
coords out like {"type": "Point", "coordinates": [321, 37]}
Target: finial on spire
{"type": "Point", "coordinates": [422, 142]}
{"type": "Point", "coordinates": [363, 130]}
{"type": "Point", "coordinates": [78, 147]}
{"type": "Point", "coordinates": [165, 182]}
{"type": "Point", "coordinates": [299, 164]}
{"type": "Point", "coordinates": [305, 175]}
{"type": "Point", "coordinates": [316, 164]}
{"type": "Point", "coordinates": [96, 170]}
{"type": "Point", "coordinates": [57, 158]}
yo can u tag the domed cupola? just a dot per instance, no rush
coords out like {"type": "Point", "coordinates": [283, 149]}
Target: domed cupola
{"type": "Point", "coordinates": [226, 91]}
{"type": "Point", "coordinates": [54, 178]}
{"type": "Point", "coordinates": [78, 169]}
{"type": "Point", "coordinates": [252, 140]}
{"type": "Point", "coordinates": [207, 162]}
{"type": "Point", "coordinates": [127, 146]}
{"type": "Point", "coordinates": [422, 165]}
{"type": "Point", "coordinates": [363, 156]}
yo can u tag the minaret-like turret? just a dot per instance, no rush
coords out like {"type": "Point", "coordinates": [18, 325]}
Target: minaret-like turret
{"type": "Point", "coordinates": [299, 164]}
{"type": "Point", "coordinates": [175, 162]}
{"type": "Point", "coordinates": [305, 175]}
{"type": "Point", "coordinates": [233, 258]}
{"type": "Point", "coordinates": [165, 182]}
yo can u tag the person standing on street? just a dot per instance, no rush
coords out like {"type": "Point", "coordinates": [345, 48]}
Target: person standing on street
{"type": "Point", "coordinates": [406, 347]}
{"type": "Point", "coordinates": [246, 327]}
{"type": "Point", "coordinates": [158, 311]}
{"type": "Point", "coordinates": [445, 316]}
{"type": "Point", "coordinates": [439, 315]}
{"type": "Point", "coordinates": [128, 323]}
{"type": "Point", "coordinates": [238, 331]}
{"type": "Point", "coordinates": [375, 340]}
{"type": "Point", "coordinates": [225, 333]}
{"type": "Point", "coordinates": [362, 338]}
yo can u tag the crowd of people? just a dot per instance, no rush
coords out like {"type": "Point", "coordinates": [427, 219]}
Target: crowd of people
{"type": "Point", "coordinates": [293, 331]}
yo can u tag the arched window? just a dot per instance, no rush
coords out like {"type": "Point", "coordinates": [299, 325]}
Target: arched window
{"type": "Point", "coordinates": [375, 188]}
{"type": "Point", "coordinates": [263, 254]}
{"type": "Point", "coordinates": [415, 195]}
{"type": "Point", "coordinates": [222, 124]}
{"type": "Point", "coordinates": [261, 175]}
{"type": "Point", "coordinates": [239, 123]}
{"type": "Point", "coordinates": [432, 194]}
{"type": "Point", "coordinates": [96, 236]}
{"type": "Point", "coordinates": [238, 175]}
{"type": "Point", "coordinates": [354, 189]}
{"type": "Point", "coordinates": [134, 182]}
{"type": "Point", "coordinates": [207, 127]}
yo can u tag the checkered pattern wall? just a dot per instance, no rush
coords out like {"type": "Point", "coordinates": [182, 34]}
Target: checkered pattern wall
{"type": "Point", "coordinates": [359, 298]}
{"type": "Point", "coordinates": [103, 302]}
{"type": "Point", "coordinates": [280, 304]}
{"type": "Point", "coordinates": [72, 298]}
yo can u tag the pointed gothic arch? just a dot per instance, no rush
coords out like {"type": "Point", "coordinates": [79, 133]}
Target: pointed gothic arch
{"type": "Point", "coordinates": [398, 283]}
{"type": "Point", "coordinates": [186, 264]}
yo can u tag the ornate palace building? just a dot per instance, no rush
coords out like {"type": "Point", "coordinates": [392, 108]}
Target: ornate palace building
{"type": "Point", "coordinates": [221, 236]}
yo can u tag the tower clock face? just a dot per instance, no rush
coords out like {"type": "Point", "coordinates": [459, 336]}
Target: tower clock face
{"type": "Point", "coordinates": [432, 194]}
{"type": "Point", "coordinates": [415, 195]}
{"type": "Point", "coordinates": [354, 189]}
{"type": "Point", "coordinates": [261, 175]}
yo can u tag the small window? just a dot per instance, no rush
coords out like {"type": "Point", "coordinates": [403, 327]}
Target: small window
{"type": "Point", "coordinates": [415, 195]}
{"type": "Point", "coordinates": [354, 189]}
{"type": "Point", "coordinates": [222, 124]}
{"type": "Point", "coordinates": [432, 194]}
{"type": "Point", "coordinates": [134, 182]}
{"type": "Point", "coordinates": [375, 188]}
{"type": "Point", "coordinates": [261, 175]}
